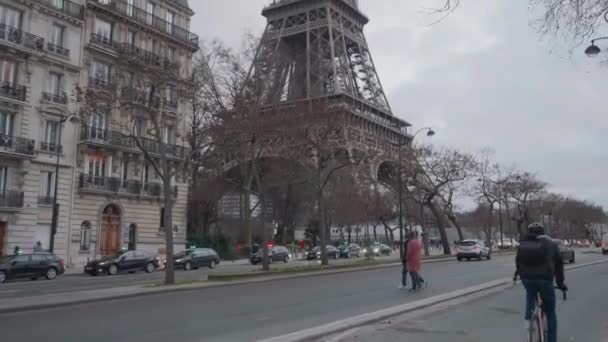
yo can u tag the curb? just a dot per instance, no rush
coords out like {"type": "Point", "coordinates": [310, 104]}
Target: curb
{"type": "Point", "coordinates": [339, 326]}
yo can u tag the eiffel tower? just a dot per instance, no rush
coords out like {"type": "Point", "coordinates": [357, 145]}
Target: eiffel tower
{"type": "Point", "coordinates": [315, 49]}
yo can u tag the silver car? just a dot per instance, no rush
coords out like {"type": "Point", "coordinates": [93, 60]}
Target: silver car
{"type": "Point", "coordinates": [472, 249]}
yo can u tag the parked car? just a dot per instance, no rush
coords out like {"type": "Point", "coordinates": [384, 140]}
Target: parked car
{"type": "Point", "coordinates": [384, 250]}
{"type": "Point", "coordinates": [123, 261]}
{"type": "Point", "coordinates": [605, 245]}
{"type": "Point", "coordinates": [196, 257]}
{"type": "Point", "coordinates": [276, 253]}
{"type": "Point", "coordinates": [598, 243]}
{"type": "Point", "coordinates": [583, 243]}
{"type": "Point", "coordinates": [315, 253]}
{"type": "Point", "coordinates": [352, 250]}
{"type": "Point", "coordinates": [566, 252]}
{"type": "Point", "coordinates": [31, 266]}
{"type": "Point", "coordinates": [472, 249]}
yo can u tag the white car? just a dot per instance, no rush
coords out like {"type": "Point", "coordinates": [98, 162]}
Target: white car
{"type": "Point", "coordinates": [472, 249]}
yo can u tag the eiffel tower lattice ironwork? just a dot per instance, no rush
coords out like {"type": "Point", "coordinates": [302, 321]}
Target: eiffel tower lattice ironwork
{"type": "Point", "coordinates": [314, 49]}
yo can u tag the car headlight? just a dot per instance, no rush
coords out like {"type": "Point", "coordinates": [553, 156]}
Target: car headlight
{"type": "Point", "coordinates": [318, 253]}
{"type": "Point", "coordinates": [364, 250]}
{"type": "Point", "coordinates": [103, 263]}
{"type": "Point", "coordinates": [376, 250]}
{"type": "Point", "coordinates": [179, 260]}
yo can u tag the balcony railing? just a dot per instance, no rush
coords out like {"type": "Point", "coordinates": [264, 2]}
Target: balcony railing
{"type": "Point", "coordinates": [120, 140]}
{"type": "Point", "coordinates": [50, 147]}
{"type": "Point", "coordinates": [60, 50]}
{"type": "Point", "coordinates": [100, 82]}
{"type": "Point", "coordinates": [17, 145]}
{"type": "Point", "coordinates": [13, 91]}
{"type": "Point", "coordinates": [19, 37]}
{"type": "Point", "coordinates": [122, 186]}
{"type": "Point", "coordinates": [45, 200]}
{"type": "Point", "coordinates": [102, 40]}
{"type": "Point", "coordinates": [144, 56]}
{"type": "Point", "coordinates": [149, 19]}
{"type": "Point", "coordinates": [61, 98]}
{"type": "Point", "coordinates": [66, 6]}
{"type": "Point", "coordinates": [11, 199]}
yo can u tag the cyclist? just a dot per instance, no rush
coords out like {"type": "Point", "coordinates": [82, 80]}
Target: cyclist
{"type": "Point", "coordinates": [538, 262]}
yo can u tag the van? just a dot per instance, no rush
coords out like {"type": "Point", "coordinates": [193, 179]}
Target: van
{"type": "Point", "coordinates": [605, 245]}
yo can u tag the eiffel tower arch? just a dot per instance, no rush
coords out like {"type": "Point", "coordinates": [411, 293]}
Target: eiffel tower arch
{"type": "Point", "coordinates": [315, 50]}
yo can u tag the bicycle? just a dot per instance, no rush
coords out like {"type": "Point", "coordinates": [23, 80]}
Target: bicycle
{"type": "Point", "coordinates": [538, 324]}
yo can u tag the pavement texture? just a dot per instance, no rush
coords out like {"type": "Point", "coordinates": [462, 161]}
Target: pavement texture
{"type": "Point", "coordinates": [498, 317]}
{"type": "Point", "coordinates": [247, 312]}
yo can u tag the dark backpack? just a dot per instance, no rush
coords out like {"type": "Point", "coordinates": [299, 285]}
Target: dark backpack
{"type": "Point", "coordinates": [532, 253]}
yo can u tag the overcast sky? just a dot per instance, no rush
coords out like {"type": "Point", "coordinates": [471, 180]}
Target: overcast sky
{"type": "Point", "coordinates": [482, 78]}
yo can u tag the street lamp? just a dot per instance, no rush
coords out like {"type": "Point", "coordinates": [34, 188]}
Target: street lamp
{"type": "Point", "coordinates": [594, 50]}
{"type": "Point", "coordinates": [73, 119]}
{"type": "Point", "coordinates": [430, 132]}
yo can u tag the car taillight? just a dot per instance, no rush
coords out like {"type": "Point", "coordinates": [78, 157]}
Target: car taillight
{"type": "Point", "coordinates": [61, 263]}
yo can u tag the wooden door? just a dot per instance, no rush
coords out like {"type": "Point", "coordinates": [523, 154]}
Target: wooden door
{"type": "Point", "coordinates": [109, 242]}
{"type": "Point", "coordinates": [2, 235]}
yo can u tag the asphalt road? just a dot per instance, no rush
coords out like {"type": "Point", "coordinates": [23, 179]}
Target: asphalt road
{"type": "Point", "coordinates": [82, 282]}
{"type": "Point", "coordinates": [246, 312]}
{"type": "Point", "coordinates": [499, 317]}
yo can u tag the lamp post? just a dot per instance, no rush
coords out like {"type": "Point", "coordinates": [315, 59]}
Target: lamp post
{"type": "Point", "coordinates": [72, 119]}
{"type": "Point", "coordinates": [429, 133]}
{"type": "Point", "coordinates": [594, 50]}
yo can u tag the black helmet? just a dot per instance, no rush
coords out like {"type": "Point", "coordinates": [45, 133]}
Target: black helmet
{"type": "Point", "coordinates": [536, 228]}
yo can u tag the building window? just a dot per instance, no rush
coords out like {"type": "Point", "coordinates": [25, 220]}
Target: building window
{"type": "Point", "coordinates": [130, 8]}
{"type": "Point", "coordinates": [103, 30]}
{"type": "Point", "coordinates": [171, 54]}
{"type": "Point", "coordinates": [97, 126]}
{"type": "Point", "coordinates": [155, 46]}
{"type": "Point", "coordinates": [55, 83]}
{"type": "Point", "coordinates": [85, 236]}
{"type": "Point", "coordinates": [47, 188]}
{"type": "Point", "coordinates": [131, 37]}
{"type": "Point", "coordinates": [100, 73]}
{"type": "Point", "coordinates": [169, 135]}
{"type": "Point", "coordinates": [6, 126]}
{"type": "Point", "coordinates": [9, 17]}
{"type": "Point", "coordinates": [57, 33]}
{"type": "Point", "coordinates": [170, 17]}
{"type": "Point", "coordinates": [146, 174]}
{"type": "Point", "coordinates": [57, 4]}
{"type": "Point", "coordinates": [150, 8]}
{"type": "Point", "coordinates": [140, 127]}
{"type": "Point", "coordinates": [3, 179]}
{"type": "Point", "coordinates": [96, 166]}
{"type": "Point", "coordinates": [51, 138]}
{"type": "Point", "coordinates": [162, 218]}
{"type": "Point", "coordinates": [125, 169]}
{"type": "Point", "coordinates": [8, 72]}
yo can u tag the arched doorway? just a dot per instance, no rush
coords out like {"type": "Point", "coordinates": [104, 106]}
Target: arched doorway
{"type": "Point", "coordinates": [132, 237]}
{"type": "Point", "coordinates": [109, 242]}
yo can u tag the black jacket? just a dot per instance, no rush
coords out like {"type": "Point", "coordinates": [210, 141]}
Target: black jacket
{"type": "Point", "coordinates": [547, 268]}
{"type": "Point", "coordinates": [404, 257]}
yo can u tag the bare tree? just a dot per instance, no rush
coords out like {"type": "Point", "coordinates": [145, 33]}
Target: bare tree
{"type": "Point", "coordinates": [523, 188]}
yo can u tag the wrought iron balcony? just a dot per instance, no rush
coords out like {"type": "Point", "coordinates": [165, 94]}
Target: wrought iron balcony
{"type": "Point", "coordinates": [45, 200]}
{"type": "Point", "coordinates": [120, 140]}
{"type": "Point", "coordinates": [13, 91]}
{"type": "Point", "coordinates": [50, 147]}
{"type": "Point", "coordinates": [66, 6]}
{"type": "Point", "coordinates": [145, 57]}
{"type": "Point", "coordinates": [17, 145]}
{"type": "Point", "coordinates": [149, 19]}
{"type": "Point", "coordinates": [60, 50]}
{"type": "Point", "coordinates": [13, 35]}
{"type": "Point", "coordinates": [121, 186]}
{"type": "Point", "coordinates": [102, 40]}
{"type": "Point", "coordinates": [141, 97]}
{"type": "Point", "coordinates": [11, 199]}
{"type": "Point", "coordinates": [61, 98]}
{"type": "Point", "coordinates": [100, 82]}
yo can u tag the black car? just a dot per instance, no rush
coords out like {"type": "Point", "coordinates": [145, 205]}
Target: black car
{"type": "Point", "coordinates": [276, 253]}
{"type": "Point", "coordinates": [31, 266]}
{"type": "Point", "coordinates": [123, 261]}
{"type": "Point", "coordinates": [195, 258]}
{"type": "Point", "coordinates": [315, 253]}
{"type": "Point", "coordinates": [352, 250]}
{"type": "Point", "coordinates": [566, 252]}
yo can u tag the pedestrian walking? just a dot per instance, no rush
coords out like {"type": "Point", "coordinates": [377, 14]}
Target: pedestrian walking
{"type": "Point", "coordinates": [38, 247]}
{"type": "Point", "coordinates": [414, 254]}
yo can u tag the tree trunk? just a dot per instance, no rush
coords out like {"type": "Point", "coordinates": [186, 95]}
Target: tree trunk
{"type": "Point", "coordinates": [350, 229]}
{"type": "Point", "coordinates": [454, 221]}
{"type": "Point", "coordinates": [375, 233]}
{"type": "Point", "coordinates": [168, 220]}
{"type": "Point", "coordinates": [441, 225]}
{"type": "Point", "coordinates": [265, 255]}
{"type": "Point", "coordinates": [322, 228]}
{"type": "Point", "coordinates": [246, 215]}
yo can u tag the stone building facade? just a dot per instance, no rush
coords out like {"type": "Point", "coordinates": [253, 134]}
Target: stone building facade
{"type": "Point", "coordinates": [52, 50]}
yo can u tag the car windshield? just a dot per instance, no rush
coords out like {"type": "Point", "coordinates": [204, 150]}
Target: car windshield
{"type": "Point", "coordinates": [6, 259]}
{"type": "Point", "coordinates": [559, 242]}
